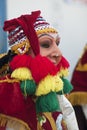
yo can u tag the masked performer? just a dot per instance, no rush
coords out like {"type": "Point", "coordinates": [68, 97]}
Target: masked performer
{"type": "Point", "coordinates": [33, 86]}
{"type": "Point", "coordinates": [78, 97]}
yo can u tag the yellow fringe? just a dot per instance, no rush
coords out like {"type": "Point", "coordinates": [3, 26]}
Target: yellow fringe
{"type": "Point", "coordinates": [9, 80]}
{"type": "Point", "coordinates": [17, 124]}
{"type": "Point", "coordinates": [12, 122]}
{"type": "Point", "coordinates": [78, 98]}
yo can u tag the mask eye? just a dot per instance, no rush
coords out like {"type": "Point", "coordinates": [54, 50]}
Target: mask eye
{"type": "Point", "coordinates": [45, 44]}
{"type": "Point", "coordinates": [57, 42]}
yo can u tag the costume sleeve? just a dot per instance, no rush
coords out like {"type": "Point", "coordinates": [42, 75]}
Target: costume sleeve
{"type": "Point", "coordinates": [68, 113]}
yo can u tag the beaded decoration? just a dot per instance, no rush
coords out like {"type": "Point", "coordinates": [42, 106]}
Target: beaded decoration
{"type": "Point", "coordinates": [41, 26]}
{"type": "Point", "coordinates": [18, 42]}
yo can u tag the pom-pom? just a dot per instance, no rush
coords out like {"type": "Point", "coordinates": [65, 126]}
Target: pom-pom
{"type": "Point", "coordinates": [49, 84]}
{"type": "Point", "coordinates": [63, 72]}
{"type": "Point", "coordinates": [21, 74]}
{"type": "Point", "coordinates": [47, 103]}
{"type": "Point", "coordinates": [63, 64]}
{"type": "Point", "coordinates": [20, 61]}
{"type": "Point", "coordinates": [41, 67]}
{"type": "Point", "coordinates": [67, 88]}
{"type": "Point", "coordinates": [28, 87]}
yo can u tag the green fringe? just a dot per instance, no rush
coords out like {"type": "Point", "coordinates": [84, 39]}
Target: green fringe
{"type": "Point", "coordinates": [67, 88]}
{"type": "Point", "coordinates": [47, 103]}
{"type": "Point", "coordinates": [28, 87]}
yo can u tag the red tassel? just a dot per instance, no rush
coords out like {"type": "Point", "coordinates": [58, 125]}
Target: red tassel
{"type": "Point", "coordinates": [20, 61]}
{"type": "Point", "coordinates": [63, 63]}
{"type": "Point", "coordinates": [41, 67]}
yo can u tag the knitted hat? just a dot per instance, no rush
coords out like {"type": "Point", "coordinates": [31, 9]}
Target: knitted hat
{"type": "Point", "coordinates": [23, 31]}
{"type": "Point", "coordinates": [42, 26]}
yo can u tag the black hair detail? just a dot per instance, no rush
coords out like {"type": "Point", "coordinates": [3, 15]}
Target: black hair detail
{"type": "Point", "coordinates": [7, 58]}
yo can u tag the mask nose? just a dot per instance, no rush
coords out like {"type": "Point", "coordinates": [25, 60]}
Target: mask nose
{"type": "Point", "coordinates": [56, 51]}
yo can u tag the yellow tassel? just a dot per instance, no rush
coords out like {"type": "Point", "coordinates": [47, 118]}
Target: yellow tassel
{"type": "Point", "coordinates": [63, 72]}
{"type": "Point", "coordinates": [22, 74]}
{"type": "Point", "coordinates": [49, 84]}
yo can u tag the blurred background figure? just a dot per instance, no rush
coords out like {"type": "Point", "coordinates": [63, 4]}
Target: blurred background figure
{"type": "Point", "coordinates": [78, 97]}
